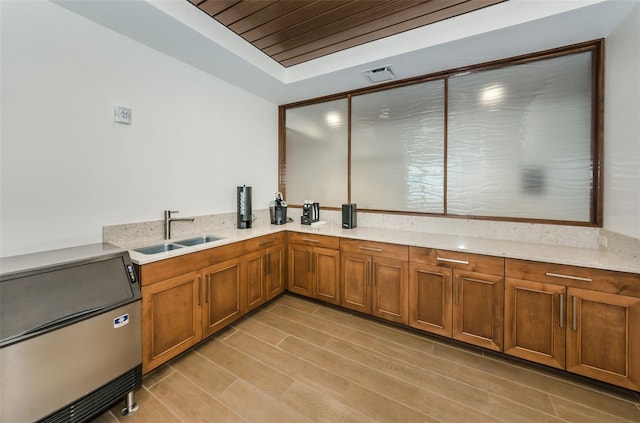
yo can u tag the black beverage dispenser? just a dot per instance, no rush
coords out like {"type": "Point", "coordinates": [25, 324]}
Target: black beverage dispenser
{"type": "Point", "coordinates": [244, 207]}
{"type": "Point", "coordinates": [278, 210]}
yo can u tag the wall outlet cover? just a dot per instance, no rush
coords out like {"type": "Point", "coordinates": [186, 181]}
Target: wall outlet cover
{"type": "Point", "coordinates": [122, 114]}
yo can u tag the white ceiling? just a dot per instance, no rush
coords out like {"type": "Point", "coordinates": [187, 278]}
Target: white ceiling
{"type": "Point", "coordinates": [179, 29]}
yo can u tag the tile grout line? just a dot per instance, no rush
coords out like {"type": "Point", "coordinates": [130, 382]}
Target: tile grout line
{"type": "Point", "coordinates": [237, 377]}
{"type": "Point", "coordinates": [312, 387]}
{"type": "Point", "coordinates": [327, 370]}
{"type": "Point", "coordinates": [170, 409]}
{"type": "Point", "coordinates": [200, 388]}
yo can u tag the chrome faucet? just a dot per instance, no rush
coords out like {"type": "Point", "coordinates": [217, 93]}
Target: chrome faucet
{"type": "Point", "coordinates": [168, 219]}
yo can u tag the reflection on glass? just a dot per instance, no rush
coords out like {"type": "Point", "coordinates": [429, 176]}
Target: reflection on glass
{"type": "Point", "coordinates": [316, 149]}
{"type": "Point", "coordinates": [397, 149]}
{"type": "Point", "coordinates": [519, 141]}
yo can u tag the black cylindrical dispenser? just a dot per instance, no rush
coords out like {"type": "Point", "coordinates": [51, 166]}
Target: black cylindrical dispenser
{"type": "Point", "coordinates": [244, 207]}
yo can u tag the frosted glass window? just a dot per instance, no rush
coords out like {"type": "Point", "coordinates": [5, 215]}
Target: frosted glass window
{"type": "Point", "coordinates": [397, 149]}
{"type": "Point", "coordinates": [316, 153]}
{"type": "Point", "coordinates": [519, 141]}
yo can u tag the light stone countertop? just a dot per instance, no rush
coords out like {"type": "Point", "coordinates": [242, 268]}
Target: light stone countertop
{"type": "Point", "coordinates": [575, 256]}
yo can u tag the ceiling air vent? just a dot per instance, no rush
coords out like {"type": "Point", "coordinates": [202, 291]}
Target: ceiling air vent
{"type": "Point", "coordinates": [380, 74]}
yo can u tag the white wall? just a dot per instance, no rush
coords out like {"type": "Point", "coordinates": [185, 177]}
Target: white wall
{"type": "Point", "coordinates": [622, 128]}
{"type": "Point", "coordinates": [67, 169]}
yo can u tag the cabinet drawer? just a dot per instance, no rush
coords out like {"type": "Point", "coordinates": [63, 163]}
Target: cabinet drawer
{"type": "Point", "coordinates": [375, 249]}
{"type": "Point", "coordinates": [262, 242]}
{"type": "Point", "coordinates": [314, 240]}
{"type": "Point", "coordinates": [456, 260]}
{"type": "Point", "coordinates": [573, 276]}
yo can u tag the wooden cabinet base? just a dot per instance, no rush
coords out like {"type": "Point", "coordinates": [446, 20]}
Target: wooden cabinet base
{"type": "Point", "coordinates": [180, 310]}
{"type": "Point", "coordinates": [603, 337]}
{"type": "Point", "coordinates": [535, 322]}
{"type": "Point", "coordinates": [375, 279]}
{"type": "Point", "coordinates": [223, 293]}
{"type": "Point", "coordinates": [584, 321]}
{"type": "Point", "coordinates": [171, 317]}
{"type": "Point", "coordinates": [314, 267]}
{"type": "Point", "coordinates": [478, 309]}
{"type": "Point", "coordinates": [455, 295]}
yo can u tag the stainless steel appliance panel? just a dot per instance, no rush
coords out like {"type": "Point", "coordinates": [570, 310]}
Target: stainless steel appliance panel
{"type": "Point", "coordinates": [47, 372]}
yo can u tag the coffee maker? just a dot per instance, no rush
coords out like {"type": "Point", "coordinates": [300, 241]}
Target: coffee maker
{"type": "Point", "coordinates": [278, 210]}
{"type": "Point", "coordinates": [245, 216]}
{"type": "Point", "coordinates": [310, 212]}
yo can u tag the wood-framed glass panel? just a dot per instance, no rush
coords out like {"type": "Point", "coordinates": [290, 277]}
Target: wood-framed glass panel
{"type": "Point", "coordinates": [397, 148]}
{"type": "Point", "coordinates": [316, 153]}
{"type": "Point", "coordinates": [519, 140]}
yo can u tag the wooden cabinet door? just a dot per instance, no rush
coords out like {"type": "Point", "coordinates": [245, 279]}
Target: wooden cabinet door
{"type": "Point", "coordinates": [356, 282]}
{"type": "Point", "coordinates": [171, 318]}
{"type": "Point", "coordinates": [389, 293]}
{"type": "Point", "coordinates": [603, 336]}
{"type": "Point", "coordinates": [223, 295]}
{"type": "Point", "coordinates": [326, 274]}
{"type": "Point", "coordinates": [478, 309]}
{"type": "Point", "coordinates": [275, 271]}
{"type": "Point", "coordinates": [430, 298]}
{"type": "Point", "coordinates": [256, 279]}
{"type": "Point", "coordinates": [535, 321]}
{"type": "Point", "coordinates": [300, 269]}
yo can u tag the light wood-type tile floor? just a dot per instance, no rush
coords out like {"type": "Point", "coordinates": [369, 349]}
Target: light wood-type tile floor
{"type": "Point", "coordinates": [296, 360]}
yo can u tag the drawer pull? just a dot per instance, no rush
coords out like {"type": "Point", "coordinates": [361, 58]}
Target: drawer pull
{"type": "Point", "coordinates": [266, 242]}
{"type": "Point", "coordinates": [575, 278]}
{"type": "Point", "coordinates": [310, 240]}
{"type": "Point", "coordinates": [561, 310]}
{"type": "Point", "coordinates": [448, 260]}
{"type": "Point", "coordinates": [372, 249]}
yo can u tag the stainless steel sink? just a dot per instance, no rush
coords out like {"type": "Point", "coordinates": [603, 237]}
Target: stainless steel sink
{"type": "Point", "coordinates": [198, 240]}
{"type": "Point", "coordinates": [155, 249]}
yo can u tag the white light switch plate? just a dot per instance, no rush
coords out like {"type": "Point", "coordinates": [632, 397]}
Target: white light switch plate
{"type": "Point", "coordinates": [122, 114]}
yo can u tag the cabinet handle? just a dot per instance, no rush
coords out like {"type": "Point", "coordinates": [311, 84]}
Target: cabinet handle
{"type": "Point", "coordinates": [199, 290]}
{"type": "Point", "coordinates": [456, 290]}
{"type": "Point", "coordinates": [267, 265]}
{"type": "Point", "coordinates": [367, 271]}
{"type": "Point", "coordinates": [575, 278]}
{"type": "Point", "coordinates": [561, 310]}
{"type": "Point", "coordinates": [379, 250]}
{"type": "Point", "coordinates": [266, 242]}
{"type": "Point", "coordinates": [206, 295]}
{"type": "Point", "coordinates": [373, 274]}
{"type": "Point", "coordinates": [448, 260]}
{"type": "Point", "coordinates": [310, 240]}
{"type": "Point", "coordinates": [574, 323]}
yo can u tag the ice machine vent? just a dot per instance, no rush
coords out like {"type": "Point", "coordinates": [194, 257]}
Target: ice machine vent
{"type": "Point", "coordinates": [99, 400]}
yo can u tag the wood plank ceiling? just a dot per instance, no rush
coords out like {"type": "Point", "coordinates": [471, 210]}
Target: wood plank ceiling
{"type": "Point", "coordinates": [295, 31]}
